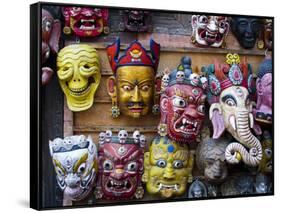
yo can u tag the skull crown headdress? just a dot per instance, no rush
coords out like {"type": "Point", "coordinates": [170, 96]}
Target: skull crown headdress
{"type": "Point", "coordinates": [229, 93]}
{"type": "Point", "coordinates": [121, 165]}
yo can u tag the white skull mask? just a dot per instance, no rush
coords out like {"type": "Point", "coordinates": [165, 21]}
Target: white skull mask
{"type": "Point", "coordinates": [122, 135]}
{"type": "Point", "coordinates": [142, 141]}
{"type": "Point", "coordinates": [108, 135]}
{"type": "Point", "coordinates": [180, 76]}
{"type": "Point", "coordinates": [101, 138]}
{"type": "Point", "coordinates": [204, 82]}
{"type": "Point", "coordinates": [165, 80]}
{"type": "Point", "coordinates": [194, 78]}
{"type": "Point", "coordinates": [136, 136]}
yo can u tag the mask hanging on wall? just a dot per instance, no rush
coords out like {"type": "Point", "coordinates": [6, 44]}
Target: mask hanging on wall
{"type": "Point", "coordinates": [135, 21]}
{"type": "Point", "coordinates": [121, 166]}
{"type": "Point", "coordinates": [51, 31]}
{"type": "Point", "coordinates": [182, 103]}
{"type": "Point", "coordinates": [75, 162]}
{"type": "Point", "coordinates": [266, 35]}
{"type": "Point", "coordinates": [133, 87]}
{"type": "Point", "coordinates": [197, 190]}
{"type": "Point", "coordinates": [263, 111]}
{"type": "Point", "coordinates": [209, 31]}
{"type": "Point", "coordinates": [79, 75]}
{"type": "Point", "coordinates": [230, 89]}
{"type": "Point", "coordinates": [85, 21]}
{"type": "Point", "coordinates": [168, 168]}
{"type": "Point", "coordinates": [246, 30]}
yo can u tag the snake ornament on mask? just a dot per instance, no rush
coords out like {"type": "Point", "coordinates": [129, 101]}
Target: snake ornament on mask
{"type": "Point", "coordinates": [230, 89]}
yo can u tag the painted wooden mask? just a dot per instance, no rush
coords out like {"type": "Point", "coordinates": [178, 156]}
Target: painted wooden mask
{"type": "Point", "coordinates": [135, 21]}
{"type": "Point", "coordinates": [51, 31]}
{"type": "Point", "coordinates": [209, 30]}
{"type": "Point", "coordinates": [79, 75]}
{"type": "Point", "coordinates": [230, 89]}
{"type": "Point", "coordinates": [263, 111]}
{"type": "Point", "coordinates": [120, 166]}
{"type": "Point", "coordinates": [168, 168]}
{"type": "Point", "coordinates": [85, 21]}
{"type": "Point", "coordinates": [132, 88]}
{"type": "Point", "coordinates": [75, 162]}
{"type": "Point", "coordinates": [182, 103]}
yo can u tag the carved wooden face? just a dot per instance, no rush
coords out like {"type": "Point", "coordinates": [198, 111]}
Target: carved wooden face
{"type": "Point", "coordinates": [183, 110]}
{"type": "Point", "coordinates": [209, 30]}
{"type": "Point", "coordinates": [79, 75]}
{"type": "Point", "coordinates": [167, 168]}
{"type": "Point", "coordinates": [121, 167]}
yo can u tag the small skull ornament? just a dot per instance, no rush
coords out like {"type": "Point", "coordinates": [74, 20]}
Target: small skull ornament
{"type": "Point", "coordinates": [142, 141]}
{"type": "Point", "coordinates": [180, 76]}
{"type": "Point", "coordinates": [122, 135]}
{"type": "Point", "coordinates": [136, 136]}
{"type": "Point", "coordinates": [101, 138]}
{"type": "Point", "coordinates": [165, 80]}
{"type": "Point", "coordinates": [194, 79]}
{"type": "Point", "coordinates": [108, 135]}
{"type": "Point", "coordinates": [204, 82]}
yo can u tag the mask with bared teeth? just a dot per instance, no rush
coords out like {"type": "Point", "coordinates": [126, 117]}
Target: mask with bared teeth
{"type": "Point", "coordinates": [182, 104]}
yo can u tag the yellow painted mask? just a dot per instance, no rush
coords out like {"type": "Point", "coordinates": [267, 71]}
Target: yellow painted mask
{"type": "Point", "coordinates": [79, 75]}
{"type": "Point", "coordinates": [133, 88]}
{"type": "Point", "coordinates": [168, 168]}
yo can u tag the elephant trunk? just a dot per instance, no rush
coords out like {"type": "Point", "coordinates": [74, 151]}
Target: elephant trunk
{"type": "Point", "coordinates": [235, 151]}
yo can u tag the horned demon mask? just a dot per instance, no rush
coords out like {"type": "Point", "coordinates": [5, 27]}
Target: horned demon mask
{"type": "Point", "coordinates": [168, 167]}
{"type": "Point", "coordinates": [132, 88]}
{"type": "Point", "coordinates": [120, 166]}
{"type": "Point", "coordinates": [209, 30]}
{"type": "Point", "coordinates": [75, 162]}
{"type": "Point", "coordinates": [230, 86]}
{"type": "Point", "coordinates": [135, 21]}
{"type": "Point", "coordinates": [85, 21]}
{"type": "Point", "coordinates": [182, 103]}
{"type": "Point", "coordinates": [79, 75]}
{"type": "Point", "coordinates": [51, 31]}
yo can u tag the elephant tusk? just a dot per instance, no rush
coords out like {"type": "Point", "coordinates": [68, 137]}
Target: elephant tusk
{"type": "Point", "coordinates": [232, 122]}
{"type": "Point", "coordinates": [251, 118]}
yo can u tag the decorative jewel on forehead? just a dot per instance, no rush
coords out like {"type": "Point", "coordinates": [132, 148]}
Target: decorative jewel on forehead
{"type": "Point", "coordinates": [122, 150]}
{"type": "Point", "coordinates": [239, 92]}
{"type": "Point", "coordinates": [195, 92]}
{"type": "Point", "coordinates": [180, 93]}
{"type": "Point", "coordinates": [170, 148]}
{"type": "Point", "coordinates": [68, 162]}
{"type": "Point", "coordinates": [136, 82]}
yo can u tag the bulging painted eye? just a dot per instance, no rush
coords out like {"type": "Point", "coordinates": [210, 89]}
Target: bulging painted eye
{"type": "Point", "coordinates": [107, 165]}
{"type": "Point", "coordinates": [59, 171]}
{"type": "Point", "coordinates": [201, 108]}
{"type": "Point", "coordinates": [230, 102]}
{"type": "Point", "coordinates": [48, 26]}
{"type": "Point", "coordinates": [81, 168]}
{"type": "Point", "coordinates": [161, 163]}
{"type": "Point", "coordinates": [222, 24]}
{"type": "Point", "coordinates": [268, 152]}
{"type": "Point", "coordinates": [76, 9]}
{"type": "Point", "coordinates": [179, 102]}
{"type": "Point", "coordinates": [127, 88]}
{"type": "Point", "coordinates": [145, 88]}
{"type": "Point", "coordinates": [178, 164]}
{"type": "Point", "coordinates": [132, 166]}
{"type": "Point", "coordinates": [203, 19]}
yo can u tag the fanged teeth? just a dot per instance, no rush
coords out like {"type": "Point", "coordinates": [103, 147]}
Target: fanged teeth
{"type": "Point", "coordinates": [82, 27]}
{"type": "Point", "coordinates": [162, 186]}
{"type": "Point", "coordinates": [87, 20]}
{"type": "Point", "coordinates": [185, 121]}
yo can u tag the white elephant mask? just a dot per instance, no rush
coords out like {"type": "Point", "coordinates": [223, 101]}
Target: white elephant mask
{"type": "Point", "coordinates": [230, 88]}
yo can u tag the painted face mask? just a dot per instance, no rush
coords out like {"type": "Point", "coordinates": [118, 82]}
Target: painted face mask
{"type": "Point", "coordinates": [231, 108]}
{"type": "Point", "coordinates": [75, 162]}
{"type": "Point", "coordinates": [79, 75]}
{"type": "Point", "coordinates": [197, 190]}
{"type": "Point", "coordinates": [267, 34]}
{"type": "Point", "coordinates": [210, 159]}
{"type": "Point", "coordinates": [263, 111]}
{"type": "Point", "coordinates": [85, 21]}
{"type": "Point", "coordinates": [121, 167]}
{"type": "Point", "coordinates": [209, 30]}
{"type": "Point", "coordinates": [246, 30]}
{"type": "Point", "coordinates": [265, 165]}
{"type": "Point", "coordinates": [136, 21]}
{"type": "Point", "coordinates": [132, 88]}
{"type": "Point", "coordinates": [168, 168]}
{"type": "Point", "coordinates": [182, 103]}
{"type": "Point", "coordinates": [50, 42]}
{"type": "Point", "coordinates": [263, 184]}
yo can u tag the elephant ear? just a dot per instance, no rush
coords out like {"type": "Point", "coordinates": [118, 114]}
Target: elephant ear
{"type": "Point", "coordinates": [217, 120]}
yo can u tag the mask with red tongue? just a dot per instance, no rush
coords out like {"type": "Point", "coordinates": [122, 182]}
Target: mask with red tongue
{"type": "Point", "coordinates": [182, 103]}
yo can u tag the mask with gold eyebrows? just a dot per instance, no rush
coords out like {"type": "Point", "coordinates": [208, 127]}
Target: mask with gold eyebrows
{"type": "Point", "coordinates": [79, 75]}
{"type": "Point", "coordinates": [133, 87]}
{"type": "Point", "coordinates": [167, 168]}
{"type": "Point", "coordinates": [75, 162]}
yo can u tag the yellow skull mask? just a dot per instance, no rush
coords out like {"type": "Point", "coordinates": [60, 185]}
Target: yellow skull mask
{"type": "Point", "coordinates": [168, 166]}
{"type": "Point", "coordinates": [79, 75]}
